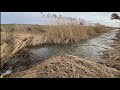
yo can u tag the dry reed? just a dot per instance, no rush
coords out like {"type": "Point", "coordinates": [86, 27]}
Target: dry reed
{"type": "Point", "coordinates": [59, 30]}
{"type": "Point", "coordinates": [67, 66]}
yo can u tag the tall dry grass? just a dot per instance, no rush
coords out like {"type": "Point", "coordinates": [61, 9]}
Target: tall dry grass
{"type": "Point", "coordinates": [58, 30]}
{"type": "Point", "coordinates": [71, 33]}
{"type": "Point", "coordinates": [11, 44]}
{"type": "Point", "coordinates": [61, 29]}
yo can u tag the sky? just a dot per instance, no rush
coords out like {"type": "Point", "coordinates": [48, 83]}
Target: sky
{"type": "Point", "coordinates": [35, 17]}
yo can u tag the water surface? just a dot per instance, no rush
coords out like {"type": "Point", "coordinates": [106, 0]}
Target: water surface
{"type": "Point", "coordinates": [90, 49]}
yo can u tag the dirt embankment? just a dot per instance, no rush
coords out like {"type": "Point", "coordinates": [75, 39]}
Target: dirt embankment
{"type": "Point", "coordinates": [67, 66]}
{"type": "Point", "coordinates": [112, 57]}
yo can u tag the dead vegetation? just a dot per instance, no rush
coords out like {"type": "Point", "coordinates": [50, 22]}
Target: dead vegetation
{"type": "Point", "coordinates": [113, 56]}
{"type": "Point", "coordinates": [70, 34]}
{"type": "Point", "coordinates": [66, 30]}
{"type": "Point", "coordinates": [67, 66]}
{"type": "Point", "coordinates": [11, 44]}
{"type": "Point", "coordinates": [13, 41]}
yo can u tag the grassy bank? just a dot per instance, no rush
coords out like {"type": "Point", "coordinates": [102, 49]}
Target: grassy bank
{"type": "Point", "coordinates": [17, 37]}
{"type": "Point", "coordinates": [112, 57]}
{"type": "Point", "coordinates": [67, 66]}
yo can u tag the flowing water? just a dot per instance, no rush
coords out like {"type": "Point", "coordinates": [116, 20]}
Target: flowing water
{"type": "Point", "coordinates": [91, 49]}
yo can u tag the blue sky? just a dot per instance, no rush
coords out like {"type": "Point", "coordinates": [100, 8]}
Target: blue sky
{"type": "Point", "coordinates": [35, 17]}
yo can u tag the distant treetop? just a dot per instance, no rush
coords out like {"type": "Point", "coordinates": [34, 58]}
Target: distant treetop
{"type": "Point", "coordinates": [115, 16]}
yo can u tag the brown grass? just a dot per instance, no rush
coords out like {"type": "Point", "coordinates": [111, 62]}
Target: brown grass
{"type": "Point", "coordinates": [67, 34]}
{"type": "Point", "coordinates": [67, 66]}
{"type": "Point", "coordinates": [11, 45]}
{"type": "Point", "coordinates": [113, 56]}
{"type": "Point", "coordinates": [16, 37]}
{"type": "Point", "coordinates": [12, 42]}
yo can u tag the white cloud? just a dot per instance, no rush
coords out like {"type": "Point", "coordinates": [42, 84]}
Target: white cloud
{"type": "Point", "coordinates": [35, 17]}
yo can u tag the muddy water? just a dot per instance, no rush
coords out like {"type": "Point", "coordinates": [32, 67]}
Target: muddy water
{"type": "Point", "coordinates": [91, 49]}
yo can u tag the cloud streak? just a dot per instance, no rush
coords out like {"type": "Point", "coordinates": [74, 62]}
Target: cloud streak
{"type": "Point", "coordinates": [36, 18]}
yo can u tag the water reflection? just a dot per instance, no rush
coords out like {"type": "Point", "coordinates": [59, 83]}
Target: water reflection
{"type": "Point", "coordinates": [91, 49]}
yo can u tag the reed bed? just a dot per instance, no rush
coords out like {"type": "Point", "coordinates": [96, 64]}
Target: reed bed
{"type": "Point", "coordinates": [12, 42]}
{"type": "Point", "coordinates": [70, 34]}
{"type": "Point", "coordinates": [58, 30]}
